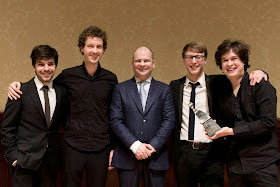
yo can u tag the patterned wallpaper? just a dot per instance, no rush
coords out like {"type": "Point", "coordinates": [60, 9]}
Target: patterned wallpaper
{"type": "Point", "coordinates": [164, 26]}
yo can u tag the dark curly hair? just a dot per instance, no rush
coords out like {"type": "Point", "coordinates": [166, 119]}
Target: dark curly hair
{"type": "Point", "coordinates": [43, 51]}
{"type": "Point", "coordinates": [238, 46]}
{"type": "Point", "coordinates": [92, 31]}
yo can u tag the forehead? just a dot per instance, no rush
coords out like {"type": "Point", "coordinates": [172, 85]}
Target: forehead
{"type": "Point", "coordinates": [94, 40]}
{"type": "Point", "coordinates": [193, 53]}
{"type": "Point", "coordinates": [44, 60]}
{"type": "Point", "coordinates": [142, 53]}
{"type": "Point", "coordinates": [230, 54]}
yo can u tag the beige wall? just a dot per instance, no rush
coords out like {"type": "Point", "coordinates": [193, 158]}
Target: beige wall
{"type": "Point", "coordinates": [165, 26]}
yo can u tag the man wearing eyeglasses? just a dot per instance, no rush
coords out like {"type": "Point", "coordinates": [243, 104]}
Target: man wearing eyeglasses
{"type": "Point", "coordinates": [196, 159]}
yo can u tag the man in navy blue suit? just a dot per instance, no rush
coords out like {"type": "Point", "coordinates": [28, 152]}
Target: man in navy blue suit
{"type": "Point", "coordinates": [142, 118]}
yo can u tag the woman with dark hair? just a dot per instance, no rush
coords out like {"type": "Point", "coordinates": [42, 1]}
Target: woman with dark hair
{"type": "Point", "coordinates": [248, 117]}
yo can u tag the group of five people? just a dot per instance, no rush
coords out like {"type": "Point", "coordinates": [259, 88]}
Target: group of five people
{"type": "Point", "coordinates": [127, 125]}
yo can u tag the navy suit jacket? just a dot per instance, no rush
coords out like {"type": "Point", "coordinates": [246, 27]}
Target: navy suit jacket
{"type": "Point", "coordinates": [153, 126]}
{"type": "Point", "coordinates": [25, 133]}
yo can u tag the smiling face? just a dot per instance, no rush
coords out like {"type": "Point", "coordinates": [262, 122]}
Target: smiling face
{"type": "Point", "coordinates": [143, 63]}
{"type": "Point", "coordinates": [45, 69]}
{"type": "Point", "coordinates": [93, 50]}
{"type": "Point", "coordinates": [194, 67]}
{"type": "Point", "coordinates": [232, 66]}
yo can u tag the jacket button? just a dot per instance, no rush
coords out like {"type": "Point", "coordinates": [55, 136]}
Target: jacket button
{"type": "Point", "coordinates": [141, 133]}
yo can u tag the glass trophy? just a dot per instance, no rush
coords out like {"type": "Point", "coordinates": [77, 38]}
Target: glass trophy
{"type": "Point", "coordinates": [208, 123]}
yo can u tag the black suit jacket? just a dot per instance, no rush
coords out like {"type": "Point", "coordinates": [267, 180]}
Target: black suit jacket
{"type": "Point", "coordinates": [25, 134]}
{"type": "Point", "coordinates": [177, 86]}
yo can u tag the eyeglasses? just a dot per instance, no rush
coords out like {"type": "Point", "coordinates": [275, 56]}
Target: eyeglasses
{"type": "Point", "coordinates": [199, 58]}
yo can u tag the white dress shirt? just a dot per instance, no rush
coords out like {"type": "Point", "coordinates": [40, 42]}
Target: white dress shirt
{"type": "Point", "coordinates": [51, 93]}
{"type": "Point", "coordinates": [201, 103]}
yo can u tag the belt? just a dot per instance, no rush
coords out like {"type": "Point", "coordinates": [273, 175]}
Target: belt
{"type": "Point", "coordinates": [196, 145]}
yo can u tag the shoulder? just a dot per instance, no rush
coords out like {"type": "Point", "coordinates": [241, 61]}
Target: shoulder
{"type": "Point", "coordinates": [178, 81]}
{"type": "Point", "coordinates": [109, 74]}
{"type": "Point", "coordinates": [263, 86]}
{"type": "Point", "coordinates": [71, 69]}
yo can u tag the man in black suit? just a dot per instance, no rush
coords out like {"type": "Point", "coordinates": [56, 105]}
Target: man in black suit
{"type": "Point", "coordinates": [197, 159]}
{"type": "Point", "coordinates": [30, 125]}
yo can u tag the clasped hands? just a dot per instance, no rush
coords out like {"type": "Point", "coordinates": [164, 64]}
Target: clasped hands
{"type": "Point", "coordinates": [144, 151]}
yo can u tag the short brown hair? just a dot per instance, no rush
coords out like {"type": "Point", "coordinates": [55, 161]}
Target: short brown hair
{"type": "Point", "coordinates": [197, 47]}
{"type": "Point", "coordinates": [43, 51]}
{"type": "Point", "coordinates": [237, 46]}
{"type": "Point", "coordinates": [92, 31]}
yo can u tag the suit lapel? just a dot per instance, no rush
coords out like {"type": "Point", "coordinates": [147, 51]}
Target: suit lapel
{"type": "Point", "coordinates": [180, 97]}
{"type": "Point", "coordinates": [209, 93]}
{"type": "Point", "coordinates": [32, 90]}
{"type": "Point", "coordinates": [58, 100]}
{"type": "Point", "coordinates": [133, 91]}
{"type": "Point", "coordinates": [153, 93]}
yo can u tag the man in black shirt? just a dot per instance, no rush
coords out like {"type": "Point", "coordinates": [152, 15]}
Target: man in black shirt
{"type": "Point", "coordinates": [86, 135]}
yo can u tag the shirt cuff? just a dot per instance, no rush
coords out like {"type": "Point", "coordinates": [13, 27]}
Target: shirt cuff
{"type": "Point", "coordinates": [135, 146]}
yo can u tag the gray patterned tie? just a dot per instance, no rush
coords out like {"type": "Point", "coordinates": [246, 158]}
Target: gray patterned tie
{"type": "Point", "coordinates": [143, 94]}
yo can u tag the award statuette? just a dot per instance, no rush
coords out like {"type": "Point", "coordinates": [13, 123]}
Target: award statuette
{"type": "Point", "coordinates": [208, 123]}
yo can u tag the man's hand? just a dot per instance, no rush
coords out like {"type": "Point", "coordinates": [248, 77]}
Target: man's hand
{"type": "Point", "coordinates": [256, 77]}
{"type": "Point", "coordinates": [14, 163]}
{"type": "Point", "coordinates": [110, 160]}
{"type": "Point", "coordinates": [225, 131]}
{"type": "Point", "coordinates": [14, 90]}
{"type": "Point", "coordinates": [144, 151]}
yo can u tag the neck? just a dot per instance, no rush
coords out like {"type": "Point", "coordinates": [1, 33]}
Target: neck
{"type": "Point", "coordinates": [235, 83]}
{"type": "Point", "coordinates": [194, 78]}
{"type": "Point", "coordinates": [91, 68]}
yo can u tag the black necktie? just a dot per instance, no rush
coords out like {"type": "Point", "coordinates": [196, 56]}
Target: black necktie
{"type": "Point", "coordinates": [47, 104]}
{"type": "Point", "coordinates": [192, 117]}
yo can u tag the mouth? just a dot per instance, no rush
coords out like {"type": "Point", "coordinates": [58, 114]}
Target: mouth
{"type": "Point", "coordinates": [231, 69]}
{"type": "Point", "coordinates": [194, 67]}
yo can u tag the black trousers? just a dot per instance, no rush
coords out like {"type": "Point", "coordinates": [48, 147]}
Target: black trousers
{"type": "Point", "coordinates": [132, 177]}
{"type": "Point", "coordinates": [265, 177]}
{"type": "Point", "coordinates": [43, 177]}
{"type": "Point", "coordinates": [75, 161]}
{"type": "Point", "coordinates": [194, 166]}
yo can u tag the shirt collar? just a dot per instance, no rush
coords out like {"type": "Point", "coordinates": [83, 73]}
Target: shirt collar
{"type": "Point", "coordinates": [201, 80]}
{"type": "Point", "coordinates": [95, 74]}
{"type": "Point", "coordinates": [39, 84]}
{"type": "Point", "coordinates": [138, 80]}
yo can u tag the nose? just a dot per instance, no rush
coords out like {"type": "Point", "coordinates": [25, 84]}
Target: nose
{"type": "Point", "coordinates": [230, 62]}
{"type": "Point", "coordinates": [47, 67]}
{"type": "Point", "coordinates": [194, 59]}
{"type": "Point", "coordinates": [94, 49]}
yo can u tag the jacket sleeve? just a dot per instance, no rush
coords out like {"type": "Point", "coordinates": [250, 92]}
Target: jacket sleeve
{"type": "Point", "coordinates": [9, 129]}
{"type": "Point", "coordinates": [117, 122]}
{"type": "Point", "coordinates": [264, 106]}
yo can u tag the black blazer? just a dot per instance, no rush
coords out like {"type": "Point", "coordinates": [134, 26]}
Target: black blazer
{"type": "Point", "coordinates": [254, 144]}
{"type": "Point", "coordinates": [177, 86]}
{"type": "Point", "coordinates": [25, 134]}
